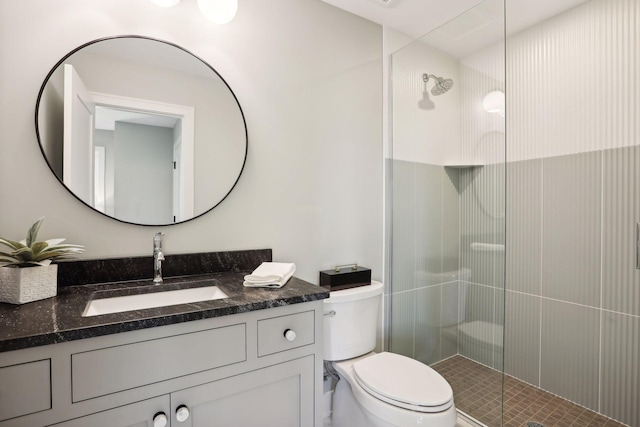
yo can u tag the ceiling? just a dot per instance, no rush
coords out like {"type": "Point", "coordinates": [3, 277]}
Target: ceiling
{"type": "Point", "coordinates": [470, 32]}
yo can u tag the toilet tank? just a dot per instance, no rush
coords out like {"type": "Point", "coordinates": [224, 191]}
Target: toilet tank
{"type": "Point", "coordinates": [350, 321]}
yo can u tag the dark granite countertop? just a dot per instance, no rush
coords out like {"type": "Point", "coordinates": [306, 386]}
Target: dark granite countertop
{"type": "Point", "coordinates": [59, 319]}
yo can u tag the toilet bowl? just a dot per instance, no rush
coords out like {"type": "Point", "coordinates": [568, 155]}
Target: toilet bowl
{"type": "Point", "coordinates": [378, 389]}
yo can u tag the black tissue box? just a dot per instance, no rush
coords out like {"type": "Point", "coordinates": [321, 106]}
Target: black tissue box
{"type": "Point", "coordinates": [345, 277]}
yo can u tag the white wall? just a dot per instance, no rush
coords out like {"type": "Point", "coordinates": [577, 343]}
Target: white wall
{"type": "Point", "coordinates": [308, 77]}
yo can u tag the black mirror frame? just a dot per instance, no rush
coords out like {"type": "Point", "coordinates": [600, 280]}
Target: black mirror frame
{"type": "Point", "coordinates": [61, 61]}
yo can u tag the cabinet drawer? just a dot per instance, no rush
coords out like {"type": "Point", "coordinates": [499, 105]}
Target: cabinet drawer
{"type": "Point", "coordinates": [272, 332]}
{"type": "Point", "coordinates": [25, 389]}
{"type": "Point", "coordinates": [109, 370]}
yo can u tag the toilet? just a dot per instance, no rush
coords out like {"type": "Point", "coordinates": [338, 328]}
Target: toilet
{"type": "Point", "coordinates": [378, 389]}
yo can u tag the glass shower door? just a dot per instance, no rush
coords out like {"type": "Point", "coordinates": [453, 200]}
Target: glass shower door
{"type": "Point", "coordinates": [447, 206]}
{"type": "Point", "coordinates": [557, 190]}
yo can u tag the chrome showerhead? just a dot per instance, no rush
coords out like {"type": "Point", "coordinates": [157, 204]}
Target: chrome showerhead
{"type": "Point", "coordinates": [441, 85]}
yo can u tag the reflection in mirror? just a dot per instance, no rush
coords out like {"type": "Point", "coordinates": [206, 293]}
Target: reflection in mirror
{"type": "Point", "coordinates": [141, 130]}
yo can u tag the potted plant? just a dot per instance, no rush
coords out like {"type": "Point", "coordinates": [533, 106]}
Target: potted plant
{"type": "Point", "coordinates": [26, 272]}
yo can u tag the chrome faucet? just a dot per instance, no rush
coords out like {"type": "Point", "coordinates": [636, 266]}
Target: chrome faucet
{"type": "Point", "coordinates": [158, 257]}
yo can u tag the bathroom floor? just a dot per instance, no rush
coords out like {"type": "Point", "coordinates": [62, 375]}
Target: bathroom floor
{"type": "Point", "coordinates": [477, 391]}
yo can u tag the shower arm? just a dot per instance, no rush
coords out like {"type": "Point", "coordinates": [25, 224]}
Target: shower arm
{"type": "Point", "coordinates": [426, 77]}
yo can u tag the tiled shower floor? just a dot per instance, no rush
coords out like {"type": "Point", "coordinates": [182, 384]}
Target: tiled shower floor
{"type": "Point", "coordinates": [477, 391]}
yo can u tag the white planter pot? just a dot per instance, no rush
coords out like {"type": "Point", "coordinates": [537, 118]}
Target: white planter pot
{"type": "Point", "coordinates": [20, 285]}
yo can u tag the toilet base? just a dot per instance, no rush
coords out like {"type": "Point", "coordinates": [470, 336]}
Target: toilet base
{"type": "Point", "coordinates": [346, 411]}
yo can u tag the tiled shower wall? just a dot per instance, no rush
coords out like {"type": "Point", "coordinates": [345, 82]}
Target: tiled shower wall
{"type": "Point", "coordinates": [572, 188]}
{"type": "Point", "coordinates": [572, 322]}
{"type": "Point", "coordinates": [573, 290]}
{"type": "Point", "coordinates": [425, 258]}
{"type": "Point", "coordinates": [448, 262]}
{"type": "Point", "coordinates": [573, 200]}
{"type": "Point", "coordinates": [482, 257]}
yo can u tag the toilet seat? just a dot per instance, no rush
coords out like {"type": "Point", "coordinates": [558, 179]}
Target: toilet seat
{"type": "Point", "coordinates": [412, 384]}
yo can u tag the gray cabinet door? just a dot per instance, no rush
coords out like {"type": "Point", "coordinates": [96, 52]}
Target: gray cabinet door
{"type": "Point", "coordinates": [138, 414]}
{"type": "Point", "coordinates": [280, 395]}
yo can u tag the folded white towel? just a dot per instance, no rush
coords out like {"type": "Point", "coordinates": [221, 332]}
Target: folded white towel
{"type": "Point", "coordinates": [270, 275]}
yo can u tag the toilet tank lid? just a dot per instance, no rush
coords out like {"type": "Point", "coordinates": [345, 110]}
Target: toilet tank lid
{"type": "Point", "coordinates": [351, 294]}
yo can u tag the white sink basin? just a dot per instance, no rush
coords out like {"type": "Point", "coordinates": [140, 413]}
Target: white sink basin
{"type": "Point", "coordinates": [151, 300]}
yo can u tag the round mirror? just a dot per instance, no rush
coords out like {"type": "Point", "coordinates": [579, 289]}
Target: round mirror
{"type": "Point", "coordinates": [141, 130]}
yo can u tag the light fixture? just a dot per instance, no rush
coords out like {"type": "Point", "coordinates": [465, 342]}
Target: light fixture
{"type": "Point", "coordinates": [493, 102]}
{"type": "Point", "coordinates": [218, 11]}
{"type": "Point", "coordinates": [165, 3]}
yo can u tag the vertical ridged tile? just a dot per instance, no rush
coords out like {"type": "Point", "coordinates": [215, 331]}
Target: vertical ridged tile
{"type": "Point", "coordinates": [621, 213]}
{"type": "Point", "coordinates": [482, 210]}
{"type": "Point", "coordinates": [482, 224]}
{"type": "Point", "coordinates": [427, 329]}
{"type": "Point", "coordinates": [522, 337]}
{"type": "Point", "coordinates": [524, 226]}
{"type": "Point", "coordinates": [620, 367]}
{"type": "Point", "coordinates": [620, 376]}
{"type": "Point", "coordinates": [428, 220]}
{"type": "Point", "coordinates": [402, 301]}
{"type": "Point", "coordinates": [497, 340]}
{"type": "Point", "coordinates": [402, 321]}
{"type": "Point", "coordinates": [449, 318]}
{"type": "Point", "coordinates": [476, 332]}
{"type": "Point", "coordinates": [570, 351]}
{"type": "Point", "coordinates": [620, 390]}
{"type": "Point", "coordinates": [388, 254]}
{"type": "Point", "coordinates": [571, 228]}
{"type": "Point", "coordinates": [422, 195]}
{"type": "Point", "coordinates": [573, 90]}
{"type": "Point", "coordinates": [573, 82]}
{"type": "Point", "coordinates": [404, 226]}
{"type": "Point", "coordinates": [450, 219]}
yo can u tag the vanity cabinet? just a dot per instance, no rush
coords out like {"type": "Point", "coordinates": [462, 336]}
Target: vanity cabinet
{"type": "Point", "coordinates": [273, 395]}
{"type": "Point", "coordinates": [252, 369]}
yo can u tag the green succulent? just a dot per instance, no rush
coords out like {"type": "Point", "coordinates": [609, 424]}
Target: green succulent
{"type": "Point", "coordinates": [29, 252]}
